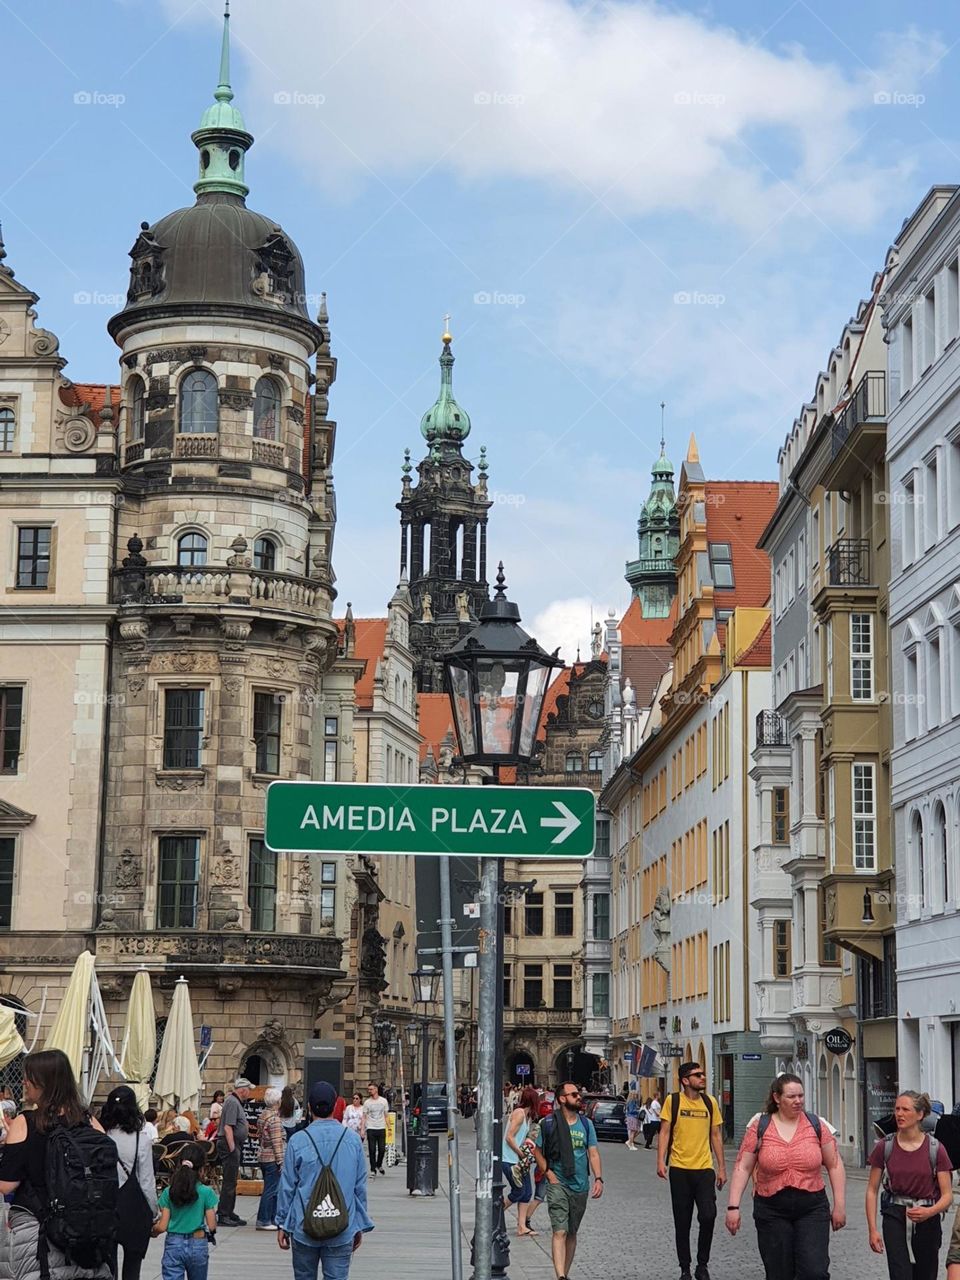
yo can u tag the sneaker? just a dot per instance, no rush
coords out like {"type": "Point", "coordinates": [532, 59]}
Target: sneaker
{"type": "Point", "coordinates": [266, 1226]}
{"type": "Point", "coordinates": [701, 1272]}
{"type": "Point", "coordinates": [685, 1275]}
{"type": "Point", "coordinates": [232, 1221]}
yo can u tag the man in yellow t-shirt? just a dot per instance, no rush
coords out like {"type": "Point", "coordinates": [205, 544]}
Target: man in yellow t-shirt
{"type": "Point", "coordinates": [689, 1141]}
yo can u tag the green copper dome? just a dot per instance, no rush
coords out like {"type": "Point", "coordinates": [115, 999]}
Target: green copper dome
{"type": "Point", "coordinates": [222, 138]}
{"type": "Point", "coordinates": [445, 421]}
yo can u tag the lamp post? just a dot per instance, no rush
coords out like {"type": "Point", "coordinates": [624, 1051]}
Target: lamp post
{"type": "Point", "coordinates": [496, 678]}
{"type": "Point", "coordinates": [426, 987]}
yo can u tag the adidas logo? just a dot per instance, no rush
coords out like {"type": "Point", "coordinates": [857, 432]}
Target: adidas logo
{"type": "Point", "coordinates": [326, 1209]}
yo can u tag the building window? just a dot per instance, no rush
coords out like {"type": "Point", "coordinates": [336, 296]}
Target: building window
{"type": "Point", "coordinates": [931, 504]}
{"type": "Point", "coordinates": [921, 870]}
{"type": "Point", "coordinates": [601, 917]}
{"type": "Point", "coordinates": [864, 818]}
{"type": "Point", "coordinates": [262, 887]}
{"type": "Point", "coordinates": [267, 709]}
{"type": "Point", "coordinates": [330, 743]}
{"type": "Point", "coordinates": [911, 706]}
{"type": "Point", "coordinates": [533, 986]}
{"type": "Point", "coordinates": [266, 409]}
{"type": "Point", "coordinates": [198, 402]}
{"type": "Point", "coordinates": [601, 995]}
{"type": "Point", "coordinates": [829, 951]}
{"type": "Point", "coordinates": [179, 882]}
{"type": "Point", "coordinates": [533, 915]}
{"type": "Point", "coordinates": [8, 849]}
{"type": "Point", "coordinates": [191, 550]}
{"type": "Point", "coordinates": [11, 727]}
{"type": "Point", "coordinates": [781, 815]}
{"type": "Point", "coordinates": [861, 657]}
{"type": "Point", "coordinates": [781, 949]}
{"type": "Point", "coordinates": [33, 556]}
{"type": "Point", "coordinates": [721, 565]}
{"type": "Point", "coordinates": [909, 517]}
{"type": "Point", "coordinates": [933, 707]}
{"type": "Point", "coordinates": [182, 728]}
{"type": "Point", "coordinates": [138, 405]}
{"type": "Point", "coordinates": [563, 914]}
{"type": "Point", "coordinates": [563, 986]}
{"type": "Point", "coordinates": [574, 762]}
{"type": "Point", "coordinates": [8, 429]}
{"type": "Point", "coordinates": [265, 555]}
{"type": "Point", "coordinates": [328, 892]}
{"type": "Point", "coordinates": [595, 761]}
{"type": "Point", "coordinates": [507, 986]}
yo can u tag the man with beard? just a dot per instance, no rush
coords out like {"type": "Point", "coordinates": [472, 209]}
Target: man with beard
{"type": "Point", "coordinates": [566, 1150]}
{"type": "Point", "coordinates": [691, 1135]}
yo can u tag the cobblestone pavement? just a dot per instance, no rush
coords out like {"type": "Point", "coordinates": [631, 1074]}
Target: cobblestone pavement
{"type": "Point", "coordinates": [627, 1235]}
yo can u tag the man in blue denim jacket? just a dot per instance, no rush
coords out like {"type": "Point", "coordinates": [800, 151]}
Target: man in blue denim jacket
{"type": "Point", "coordinates": [301, 1168]}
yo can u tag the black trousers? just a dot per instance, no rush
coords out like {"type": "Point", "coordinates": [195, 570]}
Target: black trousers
{"type": "Point", "coordinates": [793, 1234]}
{"type": "Point", "coordinates": [650, 1131]}
{"type": "Point", "coordinates": [230, 1164]}
{"type": "Point", "coordinates": [376, 1145]}
{"type": "Point", "coordinates": [927, 1238]}
{"type": "Point", "coordinates": [689, 1187]}
{"type": "Point", "coordinates": [132, 1262]}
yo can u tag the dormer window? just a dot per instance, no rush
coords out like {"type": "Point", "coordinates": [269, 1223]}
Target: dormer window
{"type": "Point", "coordinates": [266, 409]}
{"type": "Point", "coordinates": [198, 402]}
{"type": "Point", "coordinates": [721, 565]}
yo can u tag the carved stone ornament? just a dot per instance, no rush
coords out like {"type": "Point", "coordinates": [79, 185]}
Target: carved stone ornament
{"type": "Point", "coordinates": [134, 631]}
{"type": "Point", "coordinates": [135, 684]}
{"type": "Point", "coordinates": [275, 361]}
{"type": "Point", "coordinates": [128, 870]}
{"type": "Point", "coordinates": [233, 685]}
{"type": "Point", "coordinates": [181, 782]}
{"type": "Point", "coordinates": [45, 343]}
{"type": "Point", "coordinates": [295, 413]}
{"type": "Point", "coordinates": [272, 1032]}
{"type": "Point", "coordinates": [184, 661]}
{"type": "Point", "coordinates": [158, 400]}
{"type": "Point", "coordinates": [5, 331]}
{"type": "Point", "coordinates": [78, 435]}
{"type": "Point", "coordinates": [236, 632]}
{"type": "Point", "coordinates": [226, 871]}
{"type": "Point", "coordinates": [229, 986]}
{"type": "Point", "coordinates": [236, 400]}
{"type": "Point", "coordinates": [304, 878]}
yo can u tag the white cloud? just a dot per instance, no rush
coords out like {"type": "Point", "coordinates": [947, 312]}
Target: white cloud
{"type": "Point", "coordinates": [567, 623]}
{"type": "Point", "coordinates": [644, 109]}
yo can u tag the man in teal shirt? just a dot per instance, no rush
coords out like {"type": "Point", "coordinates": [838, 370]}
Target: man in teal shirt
{"type": "Point", "coordinates": [566, 1155]}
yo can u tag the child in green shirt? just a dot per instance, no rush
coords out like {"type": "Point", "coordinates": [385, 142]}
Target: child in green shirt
{"type": "Point", "coordinates": [188, 1214]}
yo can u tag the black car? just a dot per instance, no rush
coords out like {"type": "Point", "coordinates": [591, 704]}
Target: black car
{"type": "Point", "coordinates": [609, 1116]}
{"type": "Point", "coordinates": [436, 1104]}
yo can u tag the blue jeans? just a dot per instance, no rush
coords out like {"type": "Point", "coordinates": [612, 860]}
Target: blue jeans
{"type": "Point", "coordinates": [267, 1208]}
{"type": "Point", "coordinates": [184, 1254]}
{"type": "Point", "coordinates": [307, 1258]}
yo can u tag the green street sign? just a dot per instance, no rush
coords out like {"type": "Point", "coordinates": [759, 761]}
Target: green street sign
{"type": "Point", "coordinates": [485, 822]}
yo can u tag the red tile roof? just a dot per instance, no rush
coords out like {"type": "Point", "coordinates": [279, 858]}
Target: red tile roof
{"type": "Point", "coordinates": [760, 652]}
{"type": "Point", "coordinates": [436, 721]}
{"type": "Point", "coordinates": [557, 690]}
{"type": "Point", "coordinates": [91, 393]}
{"type": "Point", "coordinates": [635, 629]}
{"type": "Point", "coordinates": [738, 512]}
{"type": "Point", "coordinates": [370, 638]}
{"type": "Point", "coordinates": [645, 665]}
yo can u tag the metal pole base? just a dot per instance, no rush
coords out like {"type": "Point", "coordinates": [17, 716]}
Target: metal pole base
{"type": "Point", "coordinates": [421, 1160]}
{"type": "Point", "coordinates": [500, 1248]}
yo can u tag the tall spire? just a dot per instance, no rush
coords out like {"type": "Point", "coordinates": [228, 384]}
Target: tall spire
{"type": "Point", "coordinates": [663, 438]}
{"type": "Point", "coordinates": [222, 138]}
{"type": "Point", "coordinates": [445, 422]}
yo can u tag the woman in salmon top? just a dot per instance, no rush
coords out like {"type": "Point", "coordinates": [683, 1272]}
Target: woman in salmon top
{"type": "Point", "coordinates": [790, 1206]}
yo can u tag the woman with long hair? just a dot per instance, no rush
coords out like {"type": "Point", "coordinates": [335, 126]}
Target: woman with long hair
{"type": "Point", "coordinates": [353, 1117]}
{"type": "Point", "coordinates": [137, 1200]}
{"type": "Point", "coordinates": [632, 1110]}
{"type": "Point", "coordinates": [49, 1087]}
{"type": "Point", "coordinates": [188, 1214]}
{"type": "Point", "coordinates": [517, 1157]}
{"type": "Point", "coordinates": [289, 1110]}
{"type": "Point", "coordinates": [916, 1192]}
{"type": "Point", "coordinates": [787, 1149]}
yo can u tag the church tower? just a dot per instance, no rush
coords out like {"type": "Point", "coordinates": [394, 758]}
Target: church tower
{"type": "Point", "coordinates": [443, 533]}
{"type": "Point", "coordinates": [653, 576]}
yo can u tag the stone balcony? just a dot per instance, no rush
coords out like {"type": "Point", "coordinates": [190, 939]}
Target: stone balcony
{"type": "Point", "coordinates": [168, 585]}
{"type": "Point", "coordinates": [513, 1019]}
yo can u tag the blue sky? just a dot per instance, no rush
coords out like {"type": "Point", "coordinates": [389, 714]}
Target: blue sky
{"type": "Point", "coordinates": [617, 203]}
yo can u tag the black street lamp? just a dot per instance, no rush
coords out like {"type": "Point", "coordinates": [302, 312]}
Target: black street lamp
{"type": "Point", "coordinates": [496, 678]}
{"type": "Point", "coordinates": [426, 989]}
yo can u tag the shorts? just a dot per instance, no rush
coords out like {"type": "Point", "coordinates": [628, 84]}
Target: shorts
{"type": "Point", "coordinates": [566, 1208]}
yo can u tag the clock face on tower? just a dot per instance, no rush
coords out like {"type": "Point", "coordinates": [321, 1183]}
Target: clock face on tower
{"type": "Point", "coordinates": [595, 709]}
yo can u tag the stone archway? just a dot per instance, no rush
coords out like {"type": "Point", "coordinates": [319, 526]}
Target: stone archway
{"type": "Point", "coordinates": [516, 1062]}
{"type": "Point", "coordinates": [573, 1063]}
{"type": "Point", "coordinates": [269, 1060]}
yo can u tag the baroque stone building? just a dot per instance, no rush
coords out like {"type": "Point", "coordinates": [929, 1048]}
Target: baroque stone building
{"type": "Point", "coordinates": [443, 533]}
{"type": "Point", "coordinates": [167, 643]}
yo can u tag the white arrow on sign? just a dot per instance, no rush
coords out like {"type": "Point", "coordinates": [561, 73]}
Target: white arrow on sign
{"type": "Point", "coordinates": [568, 822]}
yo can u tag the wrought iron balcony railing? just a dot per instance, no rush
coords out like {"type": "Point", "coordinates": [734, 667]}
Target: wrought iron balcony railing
{"type": "Point", "coordinates": [867, 404]}
{"type": "Point", "coordinates": [771, 729]}
{"type": "Point", "coordinates": [848, 561]}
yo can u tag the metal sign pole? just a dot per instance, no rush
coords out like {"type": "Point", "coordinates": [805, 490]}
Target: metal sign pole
{"type": "Point", "coordinates": [488, 1052]}
{"type": "Point", "coordinates": [453, 1140]}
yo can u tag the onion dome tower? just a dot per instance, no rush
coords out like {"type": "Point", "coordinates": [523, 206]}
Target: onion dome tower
{"type": "Point", "coordinates": [653, 575]}
{"type": "Point", "coordinates": [443, 532]}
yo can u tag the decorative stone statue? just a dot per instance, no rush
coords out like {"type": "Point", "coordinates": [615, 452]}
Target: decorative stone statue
{"type": "Point", "coordinates": [128, 870]}
{"type": "Point", "coordinates": [463, 606]}
{"type": "Point", "coordinates": [426, 614]}
{"type": "Point", "coordinates": [660, 916]}
{"type": "Point", "coordinates": [373, 954]}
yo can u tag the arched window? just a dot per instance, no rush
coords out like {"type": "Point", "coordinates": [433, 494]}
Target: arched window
{"type": "Point", "coordinates": [266, 409]}
{"type": "Point", "coordinates": [265, 554]}
{"type": "Point", "coordinates": [8, 427]}
{"type": "Point", "coordinates": [916, 836]}
{"type": "Point", "coordinates": [595, 762]}
{"type": "Point", "coordinates": [396, 690]}
{"type": "Point", "coordinates": [406, 694]}
{"type": "Point", "coordinates": [191, 550]}
{"type": "Point", "coordinates": [138, 406]}
{"type": "Point", "coordinates": [940, 853]}
{"type": "Point", "coordinates": [574, 762]}
{"type": "Point", "coordinates": [198, 401]}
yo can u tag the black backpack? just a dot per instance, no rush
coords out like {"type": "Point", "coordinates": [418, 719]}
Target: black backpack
{"type": "Point", "coordinates": [675, 1116]}
{"type": "Point", "coordinates": [82, 1186]}
{"type": "Point", "coordinates": [326, 1214]}
{"type": "Point", "coordinates": [763, 1124]}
